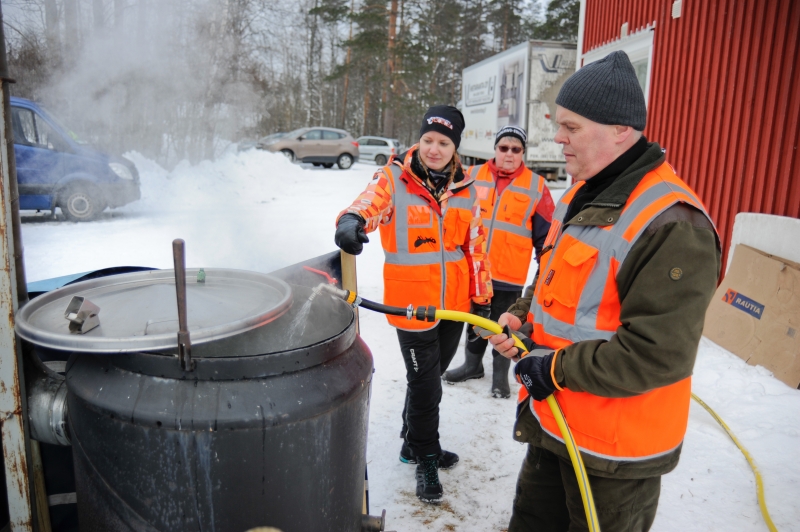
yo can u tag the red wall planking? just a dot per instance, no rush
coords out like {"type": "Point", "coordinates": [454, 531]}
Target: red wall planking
{"type": "Point", "coordinates": [724, 96]}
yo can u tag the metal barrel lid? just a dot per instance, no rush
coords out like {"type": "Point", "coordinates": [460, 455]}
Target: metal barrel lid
{"type": "Point", "coordinates": [138, 311]}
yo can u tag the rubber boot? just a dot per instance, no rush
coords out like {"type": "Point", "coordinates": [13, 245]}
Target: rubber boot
{"type": "Point", "coordinates": [471, 369]}
{"type": "Point", "coordinates": [500, 388]}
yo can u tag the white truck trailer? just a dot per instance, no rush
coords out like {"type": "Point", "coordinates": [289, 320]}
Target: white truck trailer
{"type": "Point", "coordinates": [517, 87]}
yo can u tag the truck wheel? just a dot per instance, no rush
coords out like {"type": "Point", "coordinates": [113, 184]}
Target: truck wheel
{"type": "Point", "coordinates": [345, 161]}
{"type": "Point", "coordinates": [327, 165]}
{"type": "Point", "coordinates": [289, 154]}
{"type": "Point", "coordinates": [81, 203]}
{"type": "Point", "coordinates": [380, 160]}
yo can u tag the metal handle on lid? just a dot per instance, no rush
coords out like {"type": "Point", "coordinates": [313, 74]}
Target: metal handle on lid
{"type": "Point", "coordinates": [184, 342]}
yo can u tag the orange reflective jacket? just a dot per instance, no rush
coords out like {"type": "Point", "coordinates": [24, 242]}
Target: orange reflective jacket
{"type": "Point", "coordinates": [509, 220]}
{"type": "Point", "coordinates": [424, 260]}
{"type": "Point", "coordinates": [576, 299]}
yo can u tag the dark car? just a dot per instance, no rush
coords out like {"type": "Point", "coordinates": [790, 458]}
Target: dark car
{"type": "Point", "coordinates": [54, 169]}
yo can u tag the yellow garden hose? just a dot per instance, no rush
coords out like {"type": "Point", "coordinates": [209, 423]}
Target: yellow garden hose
{"type": "Point", "coordinates": [432, 314]}
{"type": "Point", "coordinates": [762, 503]}
{"type": "Point", "coordinates": [572, 448]}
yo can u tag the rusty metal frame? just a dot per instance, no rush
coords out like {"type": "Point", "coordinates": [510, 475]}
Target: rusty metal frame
{"type": "Point", "coordinates": [16, 445]}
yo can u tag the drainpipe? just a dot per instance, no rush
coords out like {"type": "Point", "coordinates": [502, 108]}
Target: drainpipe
{"type": "Point", "coordinates": [13, 407]}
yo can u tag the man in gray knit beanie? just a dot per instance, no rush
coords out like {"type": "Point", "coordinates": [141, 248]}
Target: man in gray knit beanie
{"type": "Point", "coordinates": [607, 92]}
{"type": "Point", "coordinates": [603, 96]}
{"type": "Point", "coordinates": [627, 272]}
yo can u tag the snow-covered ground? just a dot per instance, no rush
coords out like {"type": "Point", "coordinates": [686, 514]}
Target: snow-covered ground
{"type": "Point", "coordinates": [257, 211]}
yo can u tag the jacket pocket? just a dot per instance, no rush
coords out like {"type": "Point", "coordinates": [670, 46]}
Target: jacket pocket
{"type": "Point", "coordinates": [513, 208]}
{"type": "Point", "coordinates": [404, 285]}
{"type": "Point", "coordinates": [511, 256]}
{"type": "Point", "coordinates": [458, 285]}
{"type": "Point", "coordinates": [565, 278]}
{"type": "Point", "coordinates": [456, 228]}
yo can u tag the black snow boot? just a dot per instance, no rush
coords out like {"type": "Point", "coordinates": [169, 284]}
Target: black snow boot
{"type": "Point", "coordinates": [428, 487]}
{"type": "Point", "coordinates": [447, 460]}
{"type": "Point", "coordinates": [471, 369]}
{"type": "Point", "coordinates": [500, 388]}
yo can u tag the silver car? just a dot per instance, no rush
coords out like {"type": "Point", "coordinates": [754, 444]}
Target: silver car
{"type": "Point", "coordinates": [377, 149]}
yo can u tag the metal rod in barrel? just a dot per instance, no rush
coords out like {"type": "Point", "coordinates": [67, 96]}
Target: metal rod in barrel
{"type": "Point", "coordinates": [184, 342]}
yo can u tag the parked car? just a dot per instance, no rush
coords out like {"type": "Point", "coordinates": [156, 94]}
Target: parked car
{"type": "Point", "coordinates": [322, 146]}
{"type": "Point", "coordinates": [55, 169]}
{"type": "Point", "coordinates": [263, 142]}
{"type": "Point", "coordinates": [249, 144]}
{"type": "Point", "coordinates": [377, 149]}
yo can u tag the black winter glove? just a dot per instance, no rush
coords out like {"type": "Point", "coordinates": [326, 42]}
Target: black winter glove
{"type": "Point", "coordinates": [484, 311]}
{"type": "Point", "coordinates": [350, 235]}
{"type": "Point", "coordinates": [533, 372]}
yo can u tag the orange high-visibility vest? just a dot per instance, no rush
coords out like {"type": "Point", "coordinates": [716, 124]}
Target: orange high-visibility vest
{"type": "Point", "coordinates": [424, 263]}
{"type": "Point", "coordinates": [576, 299]}
{"type": "Point", "coordinates": [509, 222]}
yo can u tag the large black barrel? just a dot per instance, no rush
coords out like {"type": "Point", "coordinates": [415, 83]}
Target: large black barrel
{"type": "Point", "coordinates": [269, 429]}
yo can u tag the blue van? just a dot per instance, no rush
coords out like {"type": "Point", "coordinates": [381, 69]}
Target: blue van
{"type": "Point", "coordinates": [54, 169]}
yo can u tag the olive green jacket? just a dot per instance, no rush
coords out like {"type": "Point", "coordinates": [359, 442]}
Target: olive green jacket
{"type": "Point", "coordinates": [662, 319]}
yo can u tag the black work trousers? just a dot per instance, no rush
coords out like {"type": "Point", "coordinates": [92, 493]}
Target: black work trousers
{"type": "Point", "coordinates": [548, 498]}
{"type": "Point", "coordinates": [500, 303]}
{"type": "Point", "coordinates": [427, 355]}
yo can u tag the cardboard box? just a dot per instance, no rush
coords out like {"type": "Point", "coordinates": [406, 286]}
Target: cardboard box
{"type": "Point", "coordinates": [755, 313]}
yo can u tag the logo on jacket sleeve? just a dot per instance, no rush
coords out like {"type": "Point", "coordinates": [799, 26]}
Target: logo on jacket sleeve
{"type": "Point", "coordinates": [743, 303]}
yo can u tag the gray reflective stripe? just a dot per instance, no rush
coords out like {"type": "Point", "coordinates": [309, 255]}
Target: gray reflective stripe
{"type": "Point", "coordinates": [653, 194]}
{"type": "Point", "coordinates": [421, 259]}
{"type": "Point", "coordinates": [395, 171]}
{"type": "Point", "coordinates": [635, 209]}
{"type": "Point", "coordinates": [473, 173]}
{"type": "Point", "coordinates": [460, 203]}
{"type": "Point", "coordinates": [560, 212]}
{"type": "Point", "coordinates": [402, 201]}
{"type": "Point", "coordinates": [511, 228]}
{"type": "Point", "coordinates": [573, 333]}
{"type": "Point", "coordinates": [600, 455]}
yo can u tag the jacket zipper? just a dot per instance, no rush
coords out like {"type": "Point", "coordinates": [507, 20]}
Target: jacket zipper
{"type": "Point", "coordinates": [609, 205]}
{"type": "Point", "coordinates": [441, 254]}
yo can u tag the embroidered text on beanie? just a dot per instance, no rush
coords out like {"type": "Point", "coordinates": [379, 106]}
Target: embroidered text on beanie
{"type": "Point", "coordinates": [512, 131]}
{"type": "Point", "coordinates": [446, 120]}
{"type": "Point", "coordinates": [606, 91]}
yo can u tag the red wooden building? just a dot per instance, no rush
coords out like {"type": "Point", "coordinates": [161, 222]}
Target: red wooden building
{"type": "Point", "coordinates": [722, 83]}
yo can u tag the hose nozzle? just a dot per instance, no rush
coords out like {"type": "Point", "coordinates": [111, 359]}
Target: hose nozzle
{"type": "Point", "coordinates": [348, 296]}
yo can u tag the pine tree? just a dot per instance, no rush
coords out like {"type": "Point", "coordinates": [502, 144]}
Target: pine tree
{"type": "Point", "coordinates": [506, 19]}
{"type": "Point", "coordinates": [561, 21]}
{"type": "Point", "coordinates": [369, 45]}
